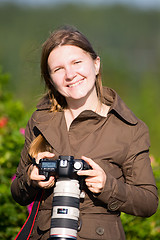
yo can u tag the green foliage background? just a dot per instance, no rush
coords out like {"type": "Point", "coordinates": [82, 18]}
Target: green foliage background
{"type": "Point", "coordinates": [12, 215]}
{"type": "Point", "coordinates": [128, 42]}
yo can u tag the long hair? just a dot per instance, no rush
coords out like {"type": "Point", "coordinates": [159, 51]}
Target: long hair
{"type": "Point", "coordinates": [39, 144]}
{"type": "Point", "coordinates": [66, 35]}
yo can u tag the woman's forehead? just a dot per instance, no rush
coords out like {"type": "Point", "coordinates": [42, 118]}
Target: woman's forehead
{"type": "Point", "coordinates": [66, 52]}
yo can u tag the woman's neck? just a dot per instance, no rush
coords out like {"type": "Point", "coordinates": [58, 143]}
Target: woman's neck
{"type": "Point", "coordinates": [90, 102]}
{"type": "Point", "coordinates": [77, 106]}
{"type": "Point", "coordinates": [71, 114]}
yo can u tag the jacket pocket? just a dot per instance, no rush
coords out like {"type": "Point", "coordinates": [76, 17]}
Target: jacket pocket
{"type": "Point", "coordinates": [99, 226]}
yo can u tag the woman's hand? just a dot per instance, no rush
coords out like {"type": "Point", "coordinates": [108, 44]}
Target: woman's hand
{"type": "Point", "coordinates": [39, 180]}
{"type": "Point", "coordinates": [96, 177]}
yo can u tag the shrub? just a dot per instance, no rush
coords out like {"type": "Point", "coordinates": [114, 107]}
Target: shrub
{"type": "Point", "coordinates": [12, 119]}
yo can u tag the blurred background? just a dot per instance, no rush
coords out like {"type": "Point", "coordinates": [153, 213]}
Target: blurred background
{"type": "Point", "coordinates": [125, 34]}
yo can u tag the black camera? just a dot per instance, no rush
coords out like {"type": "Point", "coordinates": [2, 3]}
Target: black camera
{"type": "Point", "coordinates": [65, 166]}
{"type": "Point", "coordinates": [66, 194]}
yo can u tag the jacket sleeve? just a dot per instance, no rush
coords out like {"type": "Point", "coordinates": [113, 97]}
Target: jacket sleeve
{"type": "Point", "coordinates": [22, 190]}
{"type": "Point", "coordinates": [137, 195]}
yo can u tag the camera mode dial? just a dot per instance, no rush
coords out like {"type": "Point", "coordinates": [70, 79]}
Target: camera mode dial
{"type": "Point", "coordinates": [78, 166]}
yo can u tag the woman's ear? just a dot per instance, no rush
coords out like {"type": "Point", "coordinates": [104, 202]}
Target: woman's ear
{"type": "Point", "coordinates": [97, 65]}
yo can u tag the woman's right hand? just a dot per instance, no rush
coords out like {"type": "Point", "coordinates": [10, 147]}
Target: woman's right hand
{"type": "Point", "coordinates": [39, 180]}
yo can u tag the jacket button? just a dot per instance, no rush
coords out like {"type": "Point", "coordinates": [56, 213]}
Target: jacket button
{"type": "Point", "coordinates": [113, 206]}
{"type": "Point", "coordinates": [100, 231]}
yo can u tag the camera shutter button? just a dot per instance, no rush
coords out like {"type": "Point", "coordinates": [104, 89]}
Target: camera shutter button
{"type": "Point", "coordinates": [77, 165]}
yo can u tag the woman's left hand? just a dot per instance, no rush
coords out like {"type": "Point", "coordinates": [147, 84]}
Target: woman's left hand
{"type": "Point", "coordinates": [96, 177]}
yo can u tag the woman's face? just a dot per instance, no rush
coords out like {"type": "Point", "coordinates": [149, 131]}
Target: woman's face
{"type": "Point", "coordinates": [73, 71]}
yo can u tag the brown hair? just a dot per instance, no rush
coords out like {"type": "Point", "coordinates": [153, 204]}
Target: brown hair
{"type": "Point", "coordinates": [39, 144]}
{"type": "Point", "coordinates": [66, 35]}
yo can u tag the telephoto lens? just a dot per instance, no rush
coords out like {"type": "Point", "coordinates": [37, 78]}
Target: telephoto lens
{"type": "Point", "coordinates": [66, 199]}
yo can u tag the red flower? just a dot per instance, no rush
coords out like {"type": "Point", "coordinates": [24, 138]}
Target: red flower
{"type": "Point", "coordinates": [3, 122]}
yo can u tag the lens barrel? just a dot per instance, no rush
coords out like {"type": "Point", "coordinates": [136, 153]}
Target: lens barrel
{"type": "Point", "coordinates": [64, 220]}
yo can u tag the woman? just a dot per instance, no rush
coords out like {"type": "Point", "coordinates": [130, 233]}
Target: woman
{"type": "Point", "coordinates": [78, 117]}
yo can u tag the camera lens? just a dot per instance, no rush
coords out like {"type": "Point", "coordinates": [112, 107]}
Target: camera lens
{"type": "Point", "coordinates": [64, 221]}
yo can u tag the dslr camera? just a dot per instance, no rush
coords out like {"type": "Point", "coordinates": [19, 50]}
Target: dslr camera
{"type": "Point", "coordinates": [66, 195]}
{"type": "Point", "coordinates": [65, 166]}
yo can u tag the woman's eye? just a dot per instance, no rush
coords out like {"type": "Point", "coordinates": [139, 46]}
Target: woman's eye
{"type": "Point", "coordinates": [57, 69]}
{"type": "Point", "coordinates": [76, 62]}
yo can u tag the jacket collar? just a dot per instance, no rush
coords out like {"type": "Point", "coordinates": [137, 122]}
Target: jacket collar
{"type": "Point", "coordinates": [48, 122]}
{"type": "Point", "coordinates": [111, 98]}
{"type": "Point", "coordinates": [118, 107]}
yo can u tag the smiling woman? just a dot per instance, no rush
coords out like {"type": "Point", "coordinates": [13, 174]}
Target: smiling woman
{"type": "Point", "coordinates": [71, 70]}
{"type": "Point", "coordinates": [73, 73]}
{"type": "Point", "coordinates": [78, 51]}
{"type": "Point", "coordinates": [79, 119]}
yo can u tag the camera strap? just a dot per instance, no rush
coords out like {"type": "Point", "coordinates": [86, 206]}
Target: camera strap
{"type": "Point", "coordinates": [26, 230]}
{"type": "Point", "coordinates": [33, 160]}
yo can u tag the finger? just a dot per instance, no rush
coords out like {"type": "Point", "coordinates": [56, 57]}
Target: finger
{"type": "Point", "coordinates": [91, 163]}
{"type": "Point", "coordinates": [37, 177]}
{"type": "Point", "coordinates": [90, 173]}
{"type": "Point", "coordinates": [92, 180]}
{"type": "Point", "coordinates": [90, 184]}
{"type": "Point", "coordinates": [47, 184]}
{"type": "Point", "coordinates": [51, 179]}
{"type": "Point", "coordinates": [44, 155]}
{"type": "Point", "coordinates": [34, 175]}
{"type": "Point", "coordinates": [93, 187]}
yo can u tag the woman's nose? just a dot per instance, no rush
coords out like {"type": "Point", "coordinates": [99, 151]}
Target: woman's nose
{"type": "Point", "coordinates": [70, 73]}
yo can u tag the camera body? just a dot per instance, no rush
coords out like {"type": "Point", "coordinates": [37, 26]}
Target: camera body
{"type": "Point", "coordinates": [66, 194]}
{"type": "Point", "coordinates": [64, 167]}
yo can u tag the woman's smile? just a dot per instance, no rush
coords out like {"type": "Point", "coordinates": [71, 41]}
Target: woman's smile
{"type": "Point", "coordinates": [73, 72]}
{"type": "Point", "coordinates": [75, 84]}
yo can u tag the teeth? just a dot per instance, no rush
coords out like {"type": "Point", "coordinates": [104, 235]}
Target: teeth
{"type": "Point", "coordinates": [75, 84]}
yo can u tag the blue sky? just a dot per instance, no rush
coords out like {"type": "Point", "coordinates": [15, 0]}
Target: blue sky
{"type": "Point", "coordinates": [140, 3]}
